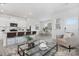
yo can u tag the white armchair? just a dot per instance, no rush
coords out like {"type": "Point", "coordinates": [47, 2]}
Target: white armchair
{"type": "Point", "coordinates": [65, 40]}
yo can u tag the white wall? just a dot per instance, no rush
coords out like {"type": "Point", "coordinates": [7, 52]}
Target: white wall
{"type": "Point", "coordinates": [53, 32]}
{"type": "Point", "coordinates": [64, 15]}
{"type": "Point", "coordinates": [69, 28]}
{"type": "Point", "coordinates": [5, 21]}
{"type": "Point", "coordinates": [33, 23]}
{"type": "Point", "coordinates": [23, 23]}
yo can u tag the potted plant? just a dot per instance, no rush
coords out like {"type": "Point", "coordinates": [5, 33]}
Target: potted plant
{"type": "Point", "coordinates": [29, 38]}
{"type": "Point", "coordinates": [30, 44]}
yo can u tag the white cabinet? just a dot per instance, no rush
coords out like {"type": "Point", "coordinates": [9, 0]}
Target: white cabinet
{"type": "Point", "coordinates": [11, 41]}
{"type": "Point", "coordinates": [20, 39]}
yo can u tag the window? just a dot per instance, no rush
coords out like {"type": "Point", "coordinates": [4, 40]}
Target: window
{"type": "Point", "coordinates": [71, 21]}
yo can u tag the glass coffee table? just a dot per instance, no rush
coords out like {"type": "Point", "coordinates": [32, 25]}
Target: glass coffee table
{"type": "Point", "coordinates": [35, 51]}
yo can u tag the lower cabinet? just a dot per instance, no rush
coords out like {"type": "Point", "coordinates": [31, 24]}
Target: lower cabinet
{"type": "Point", "coordinates": [12, 41]}
{"type": "Point", "coordinates": [20, 39]}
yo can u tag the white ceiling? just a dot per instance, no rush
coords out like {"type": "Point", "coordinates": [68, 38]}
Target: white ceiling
{"type": "Point", "coordinates": [36, 10]}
